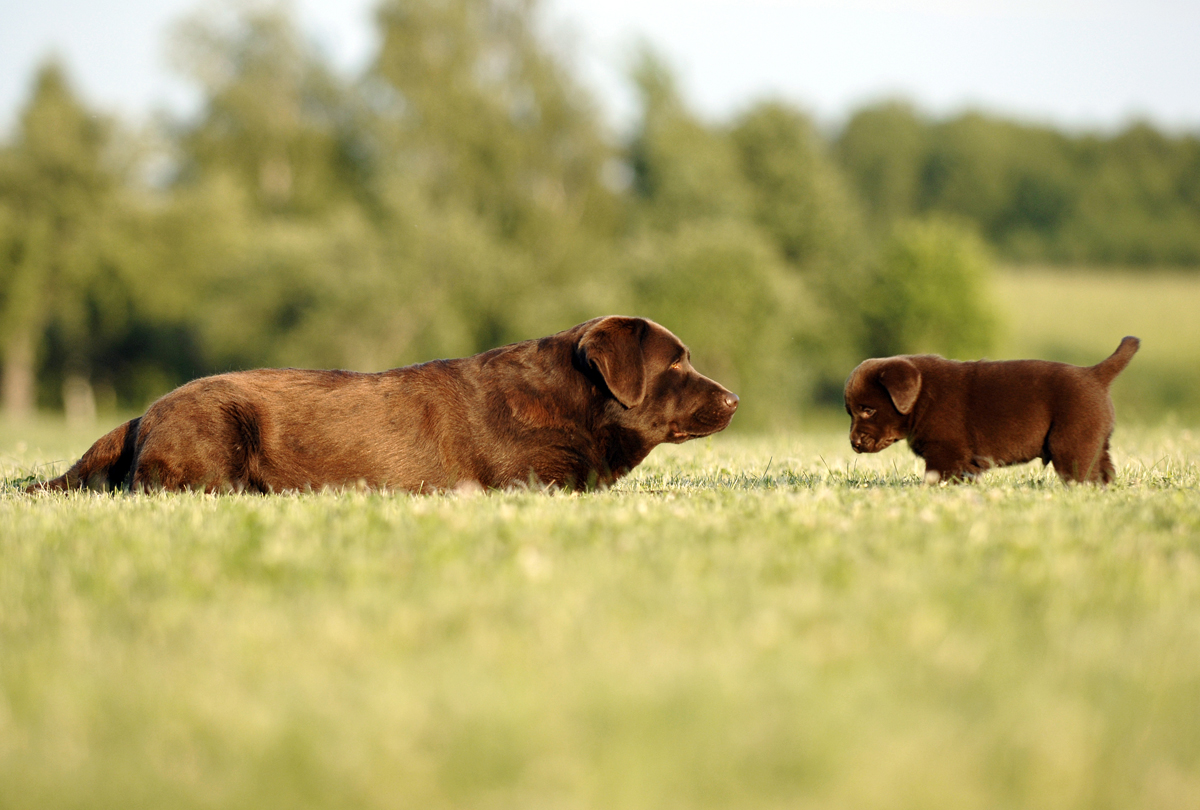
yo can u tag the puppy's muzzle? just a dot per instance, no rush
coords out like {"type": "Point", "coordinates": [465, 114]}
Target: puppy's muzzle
{"type": "Point", "coordinates": [867, 444]}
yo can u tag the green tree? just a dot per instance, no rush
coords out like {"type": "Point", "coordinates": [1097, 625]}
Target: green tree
{"type": "Point", "coordinates": [1035, 193]}
{"type": "Point", "coordinates": [799, 194]}
{"type": "Point", "coordinates": [931, 293]}
{"type": "Point", "coordinates": [288, 269]}
{"type": "Point", "coordinates": [804, 204]}
{"type": "Point", "coordinates": [723, 288]}
{"type": "Point", "coordinates": [1016, 182]}
{"type": "Point", "coordinates": [487, 133]}
{"type": "Point", "coordinates": [447, 202]}
{"type": "Point", "coordinates": [275, 117]}
{"type": "Point", "coordinates": [59, 262]}
{"type": "Point", "coordinates": [1137, 199]}
{"type": "Point", "coordinates": [749, 240]}
{"type": "Point", "coordinates": [683, 170]}
{"type": "Point", "coordinates": [883, 149]}
{"type": "Point", "coordinates": [485, 116]}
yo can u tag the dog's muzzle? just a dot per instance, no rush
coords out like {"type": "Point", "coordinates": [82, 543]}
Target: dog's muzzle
{"type": "Point", "coordinates": [866, 444]}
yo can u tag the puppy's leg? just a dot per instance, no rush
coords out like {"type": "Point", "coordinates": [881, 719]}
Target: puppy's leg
{"type": "Point", "coordinates": [1080, 456]}
{"type": "Point", "coordinates": [947, 462]}
{"type": "Point", "coordinates": [1107, 470]}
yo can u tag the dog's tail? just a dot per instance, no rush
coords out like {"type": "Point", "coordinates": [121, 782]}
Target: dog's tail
{"type": "Point", "coordinates": [103, 467]}
{"type": "Point", "coordinates": [1107, 369]}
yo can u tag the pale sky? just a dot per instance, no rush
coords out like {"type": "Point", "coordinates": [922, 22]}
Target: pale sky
{"type": "Point", "coordinates": [1074, 63]}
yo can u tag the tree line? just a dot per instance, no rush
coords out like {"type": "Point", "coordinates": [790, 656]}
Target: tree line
{"type": "Point", "coordinates": [1034, 193]}
{"type": "Point", "coordinates": [463, 192]}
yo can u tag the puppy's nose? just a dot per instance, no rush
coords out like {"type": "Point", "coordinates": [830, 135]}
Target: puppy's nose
{"type": "Point", "coordinates": [731, 400]}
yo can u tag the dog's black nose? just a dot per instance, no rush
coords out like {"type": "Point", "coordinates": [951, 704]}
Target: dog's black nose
{"type": "Point", "coordinates": [731, 400]}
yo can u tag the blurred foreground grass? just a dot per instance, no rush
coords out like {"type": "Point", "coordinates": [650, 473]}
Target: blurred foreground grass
{"type": "Point", "coordinates": [751, 622]}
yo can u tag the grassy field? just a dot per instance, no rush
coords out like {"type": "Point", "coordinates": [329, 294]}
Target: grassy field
{"type": "Point", "coordinates": [745, 622]}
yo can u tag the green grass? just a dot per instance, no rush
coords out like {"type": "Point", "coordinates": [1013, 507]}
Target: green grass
{"type": "Point", "coordinates": [749, 622]}
{"type": "Point", "coordinates": [1080, 316]}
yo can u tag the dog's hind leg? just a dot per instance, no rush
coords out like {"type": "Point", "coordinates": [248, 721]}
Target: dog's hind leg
{"type": "Point", "coordinates": [1080, 456]}
{"type": "Point", "coordinates": [105, 466]}
{"type": "Point", "coordinates": [1107, 470]}
{"type": "Point", "coordinates": [948, 461]}
{"type": "Point", "coordinates": [210, 450]}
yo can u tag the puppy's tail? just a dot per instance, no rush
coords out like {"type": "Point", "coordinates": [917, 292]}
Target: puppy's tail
{"type": "Point", "coordinates": [1107, 369]}
{"type": "Point", "coordinates": [103, 467]}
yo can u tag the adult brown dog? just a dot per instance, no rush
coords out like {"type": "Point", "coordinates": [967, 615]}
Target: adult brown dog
{"type": "Point", "coordinates": [576, 409]}
{"type": "Point", "coordinates": [966, 417]}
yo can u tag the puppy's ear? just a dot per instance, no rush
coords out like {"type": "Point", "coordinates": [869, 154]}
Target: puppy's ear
{"type": "Point", "coordinates": [613, 346]}
{"type": "Point", "coordinates": [902, 380]}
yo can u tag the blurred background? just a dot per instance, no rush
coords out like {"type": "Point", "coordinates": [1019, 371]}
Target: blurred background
{"type": "Point", "coordinates": [789, 186]}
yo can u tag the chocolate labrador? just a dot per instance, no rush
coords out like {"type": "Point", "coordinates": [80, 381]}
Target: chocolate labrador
{"type": "Point", "coordinates": [577, 409]}
{"type": "Point", "coordinates": [966, 417]}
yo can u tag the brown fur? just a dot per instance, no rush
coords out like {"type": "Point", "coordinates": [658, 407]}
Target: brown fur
{"type": "Point", "coordinates": [966, 417]}
{"type": "Point", "coordinates": [576, 409]}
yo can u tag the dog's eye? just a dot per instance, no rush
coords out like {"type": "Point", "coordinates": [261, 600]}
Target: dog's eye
{"type": "Point", "coordinates": [865, 411]}
{"type": "Point", "coordinates": [678, 364]}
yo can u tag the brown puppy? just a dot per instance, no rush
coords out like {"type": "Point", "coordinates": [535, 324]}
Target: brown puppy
{"type": "Point", "coordinates": [966, 417]}
{"type": "Point", "coordinates": [576, 409]}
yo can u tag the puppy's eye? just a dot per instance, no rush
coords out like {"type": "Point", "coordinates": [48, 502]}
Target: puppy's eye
{"type": "Point", "coordinates": [866, 412]}
{"type": "Point", "coordinates": [678, 364]}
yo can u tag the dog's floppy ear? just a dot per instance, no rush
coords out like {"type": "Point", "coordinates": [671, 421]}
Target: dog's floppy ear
{"type": "Point", "coordinates": [902, 379]}
{"type": "Point", "coordinates": [613, 346]}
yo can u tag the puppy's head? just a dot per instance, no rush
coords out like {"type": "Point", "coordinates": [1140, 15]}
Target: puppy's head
{"type": "Point", "coordinates": [649, 373]}
{"type": "Point", "coordinates": [880, 396]}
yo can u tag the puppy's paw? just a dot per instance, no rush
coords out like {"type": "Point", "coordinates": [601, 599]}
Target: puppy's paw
{"type": "Point", "coordinates": [468, 488]}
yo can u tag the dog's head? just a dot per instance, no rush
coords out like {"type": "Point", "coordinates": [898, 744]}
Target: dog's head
{"type": "Point", "coordinates": [649, 373]}
{"type": "Point", "coordinates": [880, 396]}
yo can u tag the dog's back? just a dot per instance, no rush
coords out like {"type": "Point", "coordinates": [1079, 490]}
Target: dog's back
{"type": "Point", "coordinates": [578, 408]}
